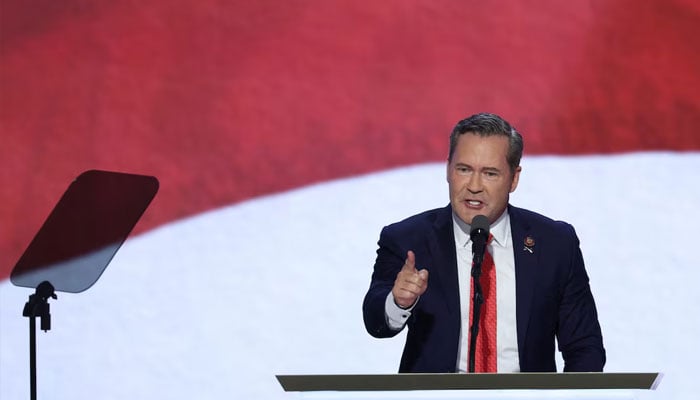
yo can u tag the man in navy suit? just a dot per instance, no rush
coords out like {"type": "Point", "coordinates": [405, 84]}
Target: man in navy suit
{"type": "Point", "coordinates": [421, 277]}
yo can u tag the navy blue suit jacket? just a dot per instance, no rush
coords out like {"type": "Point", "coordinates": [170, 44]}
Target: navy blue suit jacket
{"type": "Point", "coordinates": [553, 297]}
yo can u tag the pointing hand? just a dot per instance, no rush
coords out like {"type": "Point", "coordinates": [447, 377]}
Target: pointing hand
{"type": "Point", "coordinates": [410, 283]}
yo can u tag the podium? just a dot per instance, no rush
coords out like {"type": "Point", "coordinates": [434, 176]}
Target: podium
{"type": "Point", "coordinates": [586, 385]}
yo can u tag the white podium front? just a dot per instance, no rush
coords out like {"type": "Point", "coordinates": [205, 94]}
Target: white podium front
{"type": "Point", "coordinates": [579, 386]}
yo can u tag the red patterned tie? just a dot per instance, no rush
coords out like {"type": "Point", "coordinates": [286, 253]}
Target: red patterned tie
{"type": "Point", "coordinates": [485, 358]}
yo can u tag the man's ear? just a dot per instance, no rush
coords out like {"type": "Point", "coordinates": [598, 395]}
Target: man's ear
{"type": "Point", "coordinates": [447, 171]}
{"type": "Point", "coordinates": [516, 178]}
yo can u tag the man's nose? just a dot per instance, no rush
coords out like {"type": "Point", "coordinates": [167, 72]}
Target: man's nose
{"type": "Point", "coordinates": [475, 184]}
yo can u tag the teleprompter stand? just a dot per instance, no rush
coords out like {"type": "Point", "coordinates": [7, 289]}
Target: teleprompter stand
{"type": "Point", "coordinates": [77, 241]}
{"type": "Point", "coordinates": [37, 306]}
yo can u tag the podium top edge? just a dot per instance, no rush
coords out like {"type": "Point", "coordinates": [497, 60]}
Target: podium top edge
{"type": "Point", "coordinates": [485, 381]}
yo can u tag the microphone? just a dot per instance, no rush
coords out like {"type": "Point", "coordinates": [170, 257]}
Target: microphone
{"type": "Point", "coordinates": [480, 235]}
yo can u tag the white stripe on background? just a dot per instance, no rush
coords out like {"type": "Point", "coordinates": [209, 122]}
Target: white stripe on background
{"type": "Point", "coordinates": [214, 306]}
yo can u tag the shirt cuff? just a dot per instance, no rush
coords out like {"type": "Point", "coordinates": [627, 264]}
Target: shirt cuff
{"type": "Point", "coordinates": [396, 316]}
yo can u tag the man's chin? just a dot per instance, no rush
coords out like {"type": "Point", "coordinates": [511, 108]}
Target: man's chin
{"type": "Point", "coordinates": [466, 214]}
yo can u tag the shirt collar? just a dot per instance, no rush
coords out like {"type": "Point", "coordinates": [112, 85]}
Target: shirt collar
{"type": "Point", "coordinates": [498, 229]}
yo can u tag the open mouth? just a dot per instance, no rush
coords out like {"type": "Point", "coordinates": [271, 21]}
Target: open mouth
{"type": "Point", "coordinates": [474, 203]}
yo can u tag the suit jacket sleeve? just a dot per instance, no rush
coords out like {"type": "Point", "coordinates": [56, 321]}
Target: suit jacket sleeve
{"type": "Point", "coordinates": [578, 332]}
{"type": "Point", "coordinates": [390, 260]}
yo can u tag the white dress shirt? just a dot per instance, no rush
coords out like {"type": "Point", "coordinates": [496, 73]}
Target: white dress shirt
{"type": "Point", "coordinates": [501, 249]}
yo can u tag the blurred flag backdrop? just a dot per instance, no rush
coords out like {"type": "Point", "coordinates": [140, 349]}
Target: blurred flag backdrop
{"type": "Point", "coordinates": [285, 134]}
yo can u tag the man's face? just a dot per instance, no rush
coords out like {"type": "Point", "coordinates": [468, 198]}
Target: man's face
{"type": "Point", "coordinates": [479, 177]}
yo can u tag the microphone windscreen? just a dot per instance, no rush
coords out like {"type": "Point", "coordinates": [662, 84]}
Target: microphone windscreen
{"type": "Point", "coordinates": [479, 226]}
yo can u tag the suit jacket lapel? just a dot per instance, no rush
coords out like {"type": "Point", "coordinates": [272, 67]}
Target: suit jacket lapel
{"type": "Point", "coordinates": [525, 272]}
{"type": "Point", "coordinates": [442, 248]}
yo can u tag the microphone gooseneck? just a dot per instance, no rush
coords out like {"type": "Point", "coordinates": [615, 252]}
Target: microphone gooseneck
{"type": "Point", "coordinates": [479, 235]}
